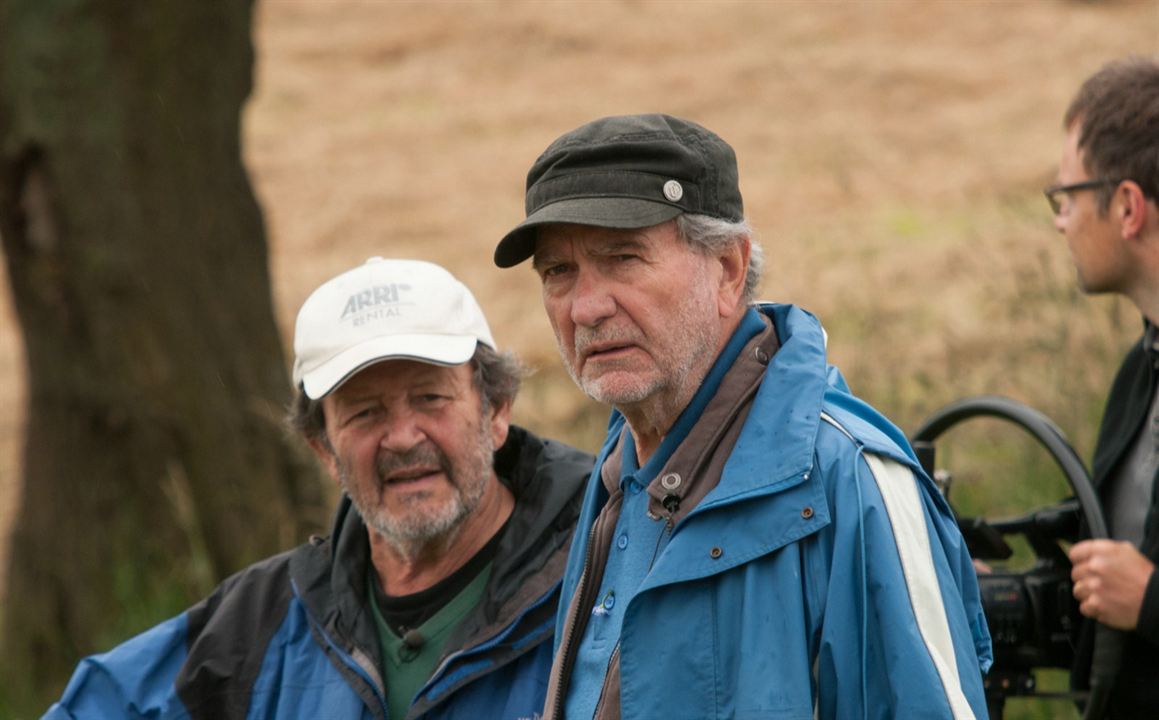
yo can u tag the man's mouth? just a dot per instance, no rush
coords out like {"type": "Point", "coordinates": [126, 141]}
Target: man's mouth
{"type": "Point", "coordinates": [411, 475]}
{"type": "Point", "coordinates": [597, 351]}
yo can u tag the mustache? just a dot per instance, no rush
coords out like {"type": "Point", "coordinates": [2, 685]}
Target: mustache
{"type": "Point", "coordinates": [423, 454]}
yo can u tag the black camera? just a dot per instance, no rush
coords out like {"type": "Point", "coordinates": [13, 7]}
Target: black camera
{"type": "Point", "coordinates": [1032, 614]}
{"type": "Point", "coordinates": [1033, 617]}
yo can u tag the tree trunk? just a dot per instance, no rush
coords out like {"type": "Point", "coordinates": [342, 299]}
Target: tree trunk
{"type": "Point", "coordinates": [155, 461]}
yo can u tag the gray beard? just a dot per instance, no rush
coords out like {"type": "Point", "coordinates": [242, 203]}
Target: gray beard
{"type": "Point", "coordinates": [700, 344]}
{"type": "Point", "coordinates": [409, 533]}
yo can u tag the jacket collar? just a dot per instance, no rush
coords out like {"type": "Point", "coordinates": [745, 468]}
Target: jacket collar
{"type": "Point", "coordinates": [776, 445]}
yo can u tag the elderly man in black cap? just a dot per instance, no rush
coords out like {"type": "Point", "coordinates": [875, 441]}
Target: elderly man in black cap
{"type": "Point", "coordinates": [755, 541]}
{"type": "Point", "coordinates": [434, 596]}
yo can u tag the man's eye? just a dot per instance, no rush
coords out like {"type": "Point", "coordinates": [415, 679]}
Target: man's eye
{"type": "Point", "coordinates": [553, 270]}
{"type": "Point", "coordinates": [360, 414]}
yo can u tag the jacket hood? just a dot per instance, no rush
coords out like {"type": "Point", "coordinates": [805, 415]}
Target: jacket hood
{"type": "Point", "coordinates": [799, 386]}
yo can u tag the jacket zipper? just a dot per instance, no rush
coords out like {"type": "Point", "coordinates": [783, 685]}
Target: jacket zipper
{"type": "Point", "coordinates": [604, 690]}
{"type": "Point", "coordinates": [366, 672]}
{"type": "Point", "coordinates": [671, 506]}
{"type": "Point", "coordinates": [480, 647]}
{"type": "Point", "coordinates": [585, 596]}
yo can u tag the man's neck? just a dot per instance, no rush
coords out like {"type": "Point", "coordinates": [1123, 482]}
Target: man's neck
{"type": "Point", "coordinates": [1144, 295]}
{"type": "Point", "coordinates": [651, 419]}
{"type": "Point", "coordinates": [408, 570]}
{"type": "Point", "coordinates": [1149, 306]}
{"type": "Point", "coordinates": [1144, 290]}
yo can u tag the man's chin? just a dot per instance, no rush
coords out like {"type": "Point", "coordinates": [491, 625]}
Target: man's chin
{"type": "Point", "coordinates": [414, 534]}
{"type": "Point", "coordinates": [416, 522]}
{"type": "Point", "coordinates": [617, 391]}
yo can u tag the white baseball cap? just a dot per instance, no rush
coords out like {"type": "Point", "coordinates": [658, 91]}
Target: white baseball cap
{"type": "Point", "coordinates": [383, 310]}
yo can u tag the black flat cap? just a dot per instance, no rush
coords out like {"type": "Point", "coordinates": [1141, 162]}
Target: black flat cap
{"type": "Point", "coordinates": [627, 171]}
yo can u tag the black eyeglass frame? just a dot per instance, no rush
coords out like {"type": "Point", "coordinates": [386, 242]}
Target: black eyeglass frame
{"type": "Point", "coordinates": [1054, 191]}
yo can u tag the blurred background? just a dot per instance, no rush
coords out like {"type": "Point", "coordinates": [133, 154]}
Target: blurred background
{"type": "Point", "coordinates": [891, 154]}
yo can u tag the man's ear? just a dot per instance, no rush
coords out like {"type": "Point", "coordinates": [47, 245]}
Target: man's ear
{"type": "Point", "coordinates": [734, 264]}
{"type": "Point", "coordinates": [500, 419]}
{"type": "Point", "coordinates": [325, 454]}
{"type": "Point", "coordinates": [1131, 206]}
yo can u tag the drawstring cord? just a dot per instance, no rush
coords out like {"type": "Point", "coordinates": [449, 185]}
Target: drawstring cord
{"type": "Point", "coordinates": [857, 460]}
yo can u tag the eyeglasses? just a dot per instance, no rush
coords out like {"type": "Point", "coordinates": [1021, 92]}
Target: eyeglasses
{"type": "Point", "coordinates": [1054, 193]}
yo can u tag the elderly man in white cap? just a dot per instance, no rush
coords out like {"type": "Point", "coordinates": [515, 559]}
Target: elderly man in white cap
{"type": "Point", "coordinates": [435, 594]}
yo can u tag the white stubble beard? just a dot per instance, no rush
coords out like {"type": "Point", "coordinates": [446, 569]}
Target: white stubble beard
{"type": "Point", "coordinates": [410, 532]}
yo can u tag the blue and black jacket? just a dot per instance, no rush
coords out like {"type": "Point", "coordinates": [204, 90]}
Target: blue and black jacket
{"type": "Point", "coordinates": [292, 636]}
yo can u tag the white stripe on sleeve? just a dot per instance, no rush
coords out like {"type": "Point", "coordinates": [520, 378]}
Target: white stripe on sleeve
{"type": "Point", "coordinates": [899, 489]}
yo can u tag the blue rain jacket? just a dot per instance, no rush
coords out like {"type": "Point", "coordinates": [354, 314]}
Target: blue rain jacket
{"type": "Point", "coordinates": [825, 572]}
{"type": "Point", "coordinates": [291, 637]}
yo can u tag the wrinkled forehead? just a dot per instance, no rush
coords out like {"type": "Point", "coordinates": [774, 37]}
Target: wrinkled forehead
{"type": "Point", "coordinates": [400, 375]}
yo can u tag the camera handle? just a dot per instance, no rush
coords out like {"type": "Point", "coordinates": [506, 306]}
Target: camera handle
{"type": "Point", "coordinates": [1108, 642]}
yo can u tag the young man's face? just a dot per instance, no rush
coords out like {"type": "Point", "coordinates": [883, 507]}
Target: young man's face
{"type": "Point", "coordinates": [412, 446]}
{"type": "Point", "coordinates": [636, 313]}
{"type": "Point", "coordinates": [1090, 232]}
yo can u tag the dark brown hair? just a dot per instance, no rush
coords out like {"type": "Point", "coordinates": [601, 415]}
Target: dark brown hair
{"type": "Point", "coordinates": [1117, 110]}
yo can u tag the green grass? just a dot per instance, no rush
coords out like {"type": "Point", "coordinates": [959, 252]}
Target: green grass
{"type": "Point", "coordinates": [1039, 709]}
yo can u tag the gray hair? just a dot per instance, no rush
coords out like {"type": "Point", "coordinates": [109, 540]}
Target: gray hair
{"type": "Point", "coordinates": [495, 375]}
{"type": "Point", "coordinates": [709, 235]}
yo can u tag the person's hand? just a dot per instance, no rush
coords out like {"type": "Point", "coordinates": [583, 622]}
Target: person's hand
{"type": "Point", "coordinates": [1110, 578]}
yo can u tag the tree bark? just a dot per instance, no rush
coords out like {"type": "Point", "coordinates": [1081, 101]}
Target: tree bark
{"type": "Point", "coordinates": [155, 462]}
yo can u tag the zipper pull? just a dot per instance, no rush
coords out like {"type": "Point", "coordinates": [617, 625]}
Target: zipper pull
{"type": "Point", "coordinates": [671, 503]}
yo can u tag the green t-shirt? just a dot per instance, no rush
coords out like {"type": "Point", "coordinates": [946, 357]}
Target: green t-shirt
{"type": "Point", "coordinates": [405, 670]}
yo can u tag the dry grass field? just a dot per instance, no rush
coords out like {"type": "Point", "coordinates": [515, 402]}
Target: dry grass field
{"type": "Point", "coordinates": [891, 156]}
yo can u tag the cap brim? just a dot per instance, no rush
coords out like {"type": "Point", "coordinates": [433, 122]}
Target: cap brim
{"type": "Point", "coordinates": [611, 212]}
{"type": "Point", "coordinates": [436, 349]}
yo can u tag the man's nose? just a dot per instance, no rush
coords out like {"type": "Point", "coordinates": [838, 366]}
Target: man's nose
{"type": "Point", "coordinates": [592, 300]}
{"type": "Point", "coordinates": [400, 432]}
